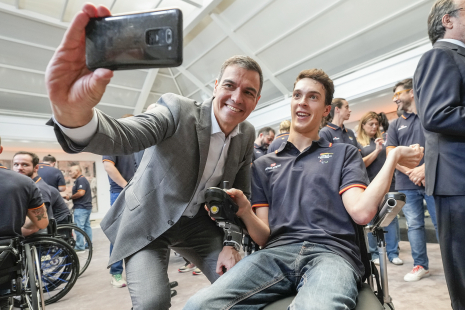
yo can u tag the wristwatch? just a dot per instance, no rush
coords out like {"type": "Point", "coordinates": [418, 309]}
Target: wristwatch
{"type": "Point", "coordinates": [233, 244]}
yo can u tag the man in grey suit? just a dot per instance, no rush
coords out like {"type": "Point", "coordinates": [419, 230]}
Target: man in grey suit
{"type": "Point", "coordinates": [162, 206]}
{"type": "Point", "coordinates": [439, 88]}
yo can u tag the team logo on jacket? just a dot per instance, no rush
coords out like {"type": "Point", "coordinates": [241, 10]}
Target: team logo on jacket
{"type": "Point", "coordinates": [80, 186]}
{"type": "Point", "coordinates": [335, 138]}
{"type": "Point", "coordinates": [272, 167]}
{"type": "Point", "coordinates": [351, 139]}
{"type": "Point", "coordinates": [324, 157]}
{"type": "Point", "coordinates": [401, 127]}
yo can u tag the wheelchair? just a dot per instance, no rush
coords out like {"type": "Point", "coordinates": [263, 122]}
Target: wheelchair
{"type": "Point", "coordinates": [67, 232]}
{"type": "Point", "coordinates": [223, 209]}
{"type": "Point", "coordinates": [20, 275]}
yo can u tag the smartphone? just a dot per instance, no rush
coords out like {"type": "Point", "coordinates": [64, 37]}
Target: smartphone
{"type": "Point", "coordinates": [135, 41]}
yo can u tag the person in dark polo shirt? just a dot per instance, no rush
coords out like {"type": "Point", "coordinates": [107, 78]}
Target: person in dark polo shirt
{"type": "Point", "coordinates": [27, 163]}
{"type": "Point", "coordinates": [120, 170]}
{"type": "Point", "coordinates": [284, 129]}
{"type": "Point", "coordinates": [407, 130]}
{"type": "Point", "coordinates": [59, 206]}
{"type": "Point", "coordinates": [264, 139]}
{"type": "Point", "coordinates": [335, 131]}
{"type": "Point", "coordinates": [307, 196]}
{"type": "Point", "coordinates": [373, 150]}
{"type": "Point", "coordinates": [51, 175]}
{"type": "Point", "coordinates": [82, 205]}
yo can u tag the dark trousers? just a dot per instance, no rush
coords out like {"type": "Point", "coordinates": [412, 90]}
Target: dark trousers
{"type": "Point", "coordinates": [450, 212]}
{"type": "Point", "coordinates": [198, 239]}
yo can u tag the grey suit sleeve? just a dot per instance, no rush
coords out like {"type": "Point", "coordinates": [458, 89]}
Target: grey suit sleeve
{"type": "Point", "coordinates": [132, 134]}
{"type": "Point", "coordinates": [438, 86]}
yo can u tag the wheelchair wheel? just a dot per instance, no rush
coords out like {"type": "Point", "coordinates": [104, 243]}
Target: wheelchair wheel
{"type": "Point", "coordinates": [59, 266]}
{"type": "Point", "coordinates": [32, 293]}
{"type": "Point", "coordinates": [68, 233]}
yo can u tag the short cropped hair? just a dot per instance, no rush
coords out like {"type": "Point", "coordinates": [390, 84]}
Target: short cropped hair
{"type": "Point", "coordinates": [319, 76]}
{"type": "Point", "coordinates": [285, 126]}
{"type": "Point", "coordinates": [336, 103]}
{"type": "Point", "coordinates": [265, 131]}
{"type": "Point", "coordinates": [440, 8]}
{"type": "Point", "coordinates": [244, 62]}
{"type": "Point", "coordinates": [406, 84]}
{"type": "Point", "coordinates": [35, 158]}
{"type": "Point", "coordinates": [49, 158]}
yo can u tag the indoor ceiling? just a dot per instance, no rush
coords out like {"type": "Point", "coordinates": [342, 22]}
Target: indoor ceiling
{"type": "Point", "coordinates": [284, 36]}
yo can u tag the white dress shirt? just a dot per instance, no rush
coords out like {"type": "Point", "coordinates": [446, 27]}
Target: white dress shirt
{"type": "Point", "coordinates": [453, 41]}
{"type": "Point", "coordinates": [214, 167]}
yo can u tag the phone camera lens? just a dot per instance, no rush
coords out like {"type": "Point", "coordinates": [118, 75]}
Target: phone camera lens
{"type": "Point", "coordinates": [169, 36]}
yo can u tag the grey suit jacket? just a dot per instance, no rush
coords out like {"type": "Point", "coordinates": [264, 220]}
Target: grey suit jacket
{"type": "Point", "coordinates": [439, 88]}
{"type": "Point", "coordinates": [176, 136]}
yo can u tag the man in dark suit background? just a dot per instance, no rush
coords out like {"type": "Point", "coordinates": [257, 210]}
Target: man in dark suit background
{"type": "Point", "coordinates": [189, 146]}
{"type": "Point", "coordinates": [439, 88]}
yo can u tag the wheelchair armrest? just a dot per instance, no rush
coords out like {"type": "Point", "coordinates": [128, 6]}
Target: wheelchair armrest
{"type": "Point", "coordinates": [388, 210]}
{"type": "Point", "coordinates": [52, 227]}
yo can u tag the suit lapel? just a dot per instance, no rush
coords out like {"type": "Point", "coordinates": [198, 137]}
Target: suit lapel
{"type": "Point", "coordinates": [204, 128]}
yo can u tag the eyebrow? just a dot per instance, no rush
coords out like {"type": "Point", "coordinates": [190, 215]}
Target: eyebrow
{"type": "Point", "coordinates": [310, 92]}
{"type": "Point", "coordinates": [252, 89]}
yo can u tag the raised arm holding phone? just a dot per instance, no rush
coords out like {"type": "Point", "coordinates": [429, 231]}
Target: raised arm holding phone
{"type": "Point", "coordinates": [160, 208]}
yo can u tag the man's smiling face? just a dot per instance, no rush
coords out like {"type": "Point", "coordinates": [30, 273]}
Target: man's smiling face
{"type": "Point", "coordinates": [308, 106]}
{"type": "Point", "coordinates": [236, 96]}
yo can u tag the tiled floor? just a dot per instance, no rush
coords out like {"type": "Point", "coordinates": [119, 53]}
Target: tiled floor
{"type": "Point", "coordinates": [93, 289]}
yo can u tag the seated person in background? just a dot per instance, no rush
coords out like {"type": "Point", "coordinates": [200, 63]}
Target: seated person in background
{"type": "Point", "coordinates": [371, 145]}
{"type": "Point", "coordinates": [51, 175]}
{"type": "Point", "coordinates": [263, 141]}
{"type": "Point", "coordinates": [334, 130]}
{"type": "Point", "coordinates": [60, 209]}
{"type": "Point", "coordinates": [284, 129]}
{"type": "Point", "coordinates": [27, 163]}
{"type": "Point", "coordinates": [19, 199]}
{"type": "Point", "coordinates": [307, 197]}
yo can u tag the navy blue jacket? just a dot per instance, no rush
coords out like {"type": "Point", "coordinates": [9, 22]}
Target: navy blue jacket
{"type": "Point", "coordinates": [439, 89]}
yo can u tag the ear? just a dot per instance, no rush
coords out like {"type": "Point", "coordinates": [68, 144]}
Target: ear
{"type": "Point", "coordinates": [446, 22]}
{"type": "Point", "coordinates": [1, 149]}
{"type": "Point", "coordinates": [327, 110]}
{"type": "Point", "coordinates": [214, 89]}
{"type": "Point", "coordinates": [36, 168]}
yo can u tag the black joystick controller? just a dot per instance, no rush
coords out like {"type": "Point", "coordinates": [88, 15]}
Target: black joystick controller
{"type": "Point", "coordinates": [222, 208]}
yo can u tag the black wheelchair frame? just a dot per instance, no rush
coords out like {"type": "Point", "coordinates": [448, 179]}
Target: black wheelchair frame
{"type": "Point", "coordinates": [223, 209]}
{"type": "Point", "coordinates": [20, 275]}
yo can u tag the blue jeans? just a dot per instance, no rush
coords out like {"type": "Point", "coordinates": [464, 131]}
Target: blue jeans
{"type": "Point", "coordinates": [116, 268]}
{"type": "Point", "coordinates": [323, 280]}
{"type": "Point", "coordinates": [392, 241]}
{"type": "Point", "coordinates": [415, 216]}
{"type": "Point", "coordinates": [82, 220]}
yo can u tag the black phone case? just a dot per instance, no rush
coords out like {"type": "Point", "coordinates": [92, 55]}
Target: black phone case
{"type": "Point", "coordinates": [130, 41]}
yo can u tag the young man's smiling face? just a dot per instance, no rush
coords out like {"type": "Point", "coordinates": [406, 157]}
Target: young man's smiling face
{"type": "Point", "coordinates": [236, 96]}
{"type": "Point", "coordinates": [308, 106]}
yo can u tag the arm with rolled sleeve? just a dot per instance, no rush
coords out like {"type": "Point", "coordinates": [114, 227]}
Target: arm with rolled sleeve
{"type": "Point", "coordinates": [438, 85]}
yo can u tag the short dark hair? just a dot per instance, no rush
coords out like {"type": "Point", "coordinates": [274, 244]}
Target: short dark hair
{"type": "Point", "coordinates": [406, 84]}
{"type": "Point", "coordinates": [319, 76]}
{"type": "Point", "coordinates": [265, 131]}
{"type": "Point", "coordinates": [244, 62]}
{"type": "Point", "coordinates": [337, 102]}
{"type": "Point", "coordinates": [383, 121]}
{"type": "Point", "coordinates": [440, 8]}
{"type": "Point", "coordinates": [35, 158]}
{"type": "Point", "coordinates": [49, 158]}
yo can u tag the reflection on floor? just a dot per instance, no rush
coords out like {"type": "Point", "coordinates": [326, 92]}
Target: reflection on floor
{"type": "Point", "coordinates": [93, 289]}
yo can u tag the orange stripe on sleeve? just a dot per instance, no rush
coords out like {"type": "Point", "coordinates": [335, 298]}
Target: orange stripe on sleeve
{"type": "Point", "coordinates": [109, 161]}
{"type": "Point", "coordinates": [350, 186]}
{"type": "Point", "coordinates": [81, 190]}
{"type": "Point", "coordinates": [37, 207]}
{"type": "Point", "coordinates": [390, 147]}
{"type": "Point", "coordinates": [260, 205]}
